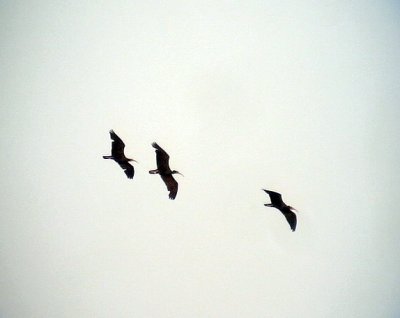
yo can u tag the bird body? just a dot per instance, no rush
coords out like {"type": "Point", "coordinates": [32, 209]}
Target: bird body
{"type": "Point", "coordinates": [287, 211]}
{"type": "Point", "coordinates": [165, 172]}
{"type": "Point", "coordinates": [118, 155]}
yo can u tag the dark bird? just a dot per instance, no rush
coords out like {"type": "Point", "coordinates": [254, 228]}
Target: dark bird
{"type": "Point", "coordinates": [117, 154]}
{"type": "Point", "coordinates": [165, 171]}
{"type": "Point", "coordinates": [287, 211]}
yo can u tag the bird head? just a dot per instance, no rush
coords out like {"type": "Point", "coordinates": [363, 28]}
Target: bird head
{"type": "Point", "coordinates": [129, 159]}
{"type": "Point", "coordinates": [176, 172]}
{"type": "Point", "coordinates": [292, 209]}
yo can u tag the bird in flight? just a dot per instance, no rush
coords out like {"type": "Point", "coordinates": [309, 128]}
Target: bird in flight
{"type": "Point", "coordinates": [117, 154]}
{"type": "Point", "coordinates": [287, 211]}
{"type": "Point", "coordinates": [165, 171]}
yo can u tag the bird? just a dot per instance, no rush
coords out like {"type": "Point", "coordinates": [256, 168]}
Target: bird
{"type": "Point", "coordinates": [117, 154]}
{"type": "Point", "coordinates": [287, 211]}
{"type": "Point", "coordinates": [165, 171]}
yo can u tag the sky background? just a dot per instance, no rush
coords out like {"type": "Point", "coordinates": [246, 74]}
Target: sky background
{"type": "Point", "coordinates": [300, 97]}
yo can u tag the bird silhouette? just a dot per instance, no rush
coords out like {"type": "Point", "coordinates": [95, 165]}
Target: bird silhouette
{"type": "Point", "coordinates": [118, 155]}
{"type": "Point", "coordinates": [287, 211]}
{"type": "Point", "coordinates": [165, 171]}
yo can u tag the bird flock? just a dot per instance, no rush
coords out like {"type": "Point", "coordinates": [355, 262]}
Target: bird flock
{"type": "Point", "coordinates": [166, 174]}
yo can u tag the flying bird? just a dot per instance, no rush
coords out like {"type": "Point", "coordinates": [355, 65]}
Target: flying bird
{"type": "Point", "coordinates": [165, 171]}
{"type": "Point", "coordinates": [287, 211]}
{"type": "Point", "coordinates": [117, 154]}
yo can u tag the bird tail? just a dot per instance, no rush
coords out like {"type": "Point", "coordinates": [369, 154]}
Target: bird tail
{"type": "Point", "coordinates": [107, 157]}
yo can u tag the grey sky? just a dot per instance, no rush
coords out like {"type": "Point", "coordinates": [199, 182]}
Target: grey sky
{"type": "Point", "coordinates": [297, 97]}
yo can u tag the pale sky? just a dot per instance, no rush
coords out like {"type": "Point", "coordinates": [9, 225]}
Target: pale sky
{"type": "Point", "coordinates": [299, 97]}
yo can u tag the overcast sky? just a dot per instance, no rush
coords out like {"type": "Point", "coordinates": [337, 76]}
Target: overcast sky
{"type": "Point", "coordinates": [300, 97]}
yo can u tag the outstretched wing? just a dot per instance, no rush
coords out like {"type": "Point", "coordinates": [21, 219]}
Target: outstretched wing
{"type": "Point", "coordinates": [162, 159]}
{"type": "Point", "coordinates": [292, 220]}
{"type": "Point", "coordinates": [171, 184]}
{"type": "Point", "coordinates": [276, 198]}
{"type": "Point", "coordinates": [117, 146]}
{"type": "Point", "coordinates": [128, 169]}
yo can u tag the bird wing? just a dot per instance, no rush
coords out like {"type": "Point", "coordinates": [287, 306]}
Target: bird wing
{"type": "Point", "coordinates": [171, 184]}
{"type": "Point", "coordinates": [162, 159]}
{"type": "Point", "coordinates": [117, 146]}
{"type": "Point", "coordinates": [128, 169]}
{"type": "Point", "coordinates": [276, 198]}
{"type": "Point", "coordinates": [292, 219]}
